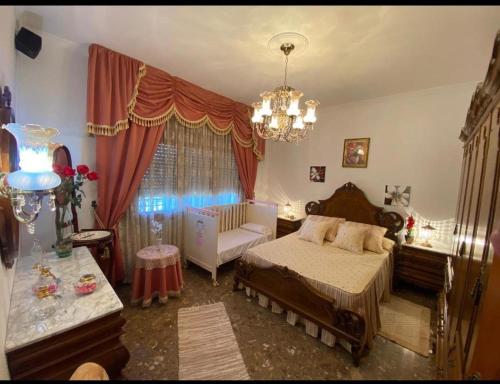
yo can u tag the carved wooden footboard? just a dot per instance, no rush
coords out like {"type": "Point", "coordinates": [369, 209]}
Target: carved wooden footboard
{"type": "Point", "coordinates": [292, 292]}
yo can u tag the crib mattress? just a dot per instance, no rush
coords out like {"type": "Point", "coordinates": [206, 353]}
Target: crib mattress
{"type": "Point", "coordinates": [232, 244]}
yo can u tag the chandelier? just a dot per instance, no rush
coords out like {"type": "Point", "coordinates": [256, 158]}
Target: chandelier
{"type": "Point", "coordinates": [278, 116]}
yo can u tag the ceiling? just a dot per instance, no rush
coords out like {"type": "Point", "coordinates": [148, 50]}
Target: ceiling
{"type": "Point", "coordinates": [354, 53]}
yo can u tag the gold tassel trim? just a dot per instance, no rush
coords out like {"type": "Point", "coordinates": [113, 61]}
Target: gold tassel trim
{"type": "Point", "coordinates": [121, 125]}
{"type": "Point", "coordinates": [140, 75]}
{"type": "Point", "coordinates": [107, 130]}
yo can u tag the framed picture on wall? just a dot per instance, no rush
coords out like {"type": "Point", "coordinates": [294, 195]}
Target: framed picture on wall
{"type": "Point", "coordinates": [317, 174]}
{"type": "Point", "coordinates": [355, 153]}
{"type": "Point", "coordinates": [397, 195]}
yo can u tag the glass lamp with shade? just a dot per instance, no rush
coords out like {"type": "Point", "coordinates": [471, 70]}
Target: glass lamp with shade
{"type": "Point", "coordinates": [287, 210]}
{"type": "Point", "coordinates": [35, 178]}
{"type": "Point", "coordinates": [426, 235]}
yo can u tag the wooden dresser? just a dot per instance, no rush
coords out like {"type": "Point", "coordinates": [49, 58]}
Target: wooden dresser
{"type": "Point", "coordinates": [468, 309]}
{"type": "Point", "coordinates": [49, 340]}
{"type": "Point", "coordinates": [421, 266]}
{"type": "Point", "coordinates": [286, 226]}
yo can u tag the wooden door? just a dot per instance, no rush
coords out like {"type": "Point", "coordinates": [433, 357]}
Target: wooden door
{"type": "Point", "coordinates": [483, 334]}
{"type": "Point", "coordinates": [459, 259]}
{"type": "Point", "coordinates": [482, 202]}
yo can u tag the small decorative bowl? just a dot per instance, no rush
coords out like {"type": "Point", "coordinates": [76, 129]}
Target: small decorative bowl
{"type": "Point", "coordinates": [86, 284]}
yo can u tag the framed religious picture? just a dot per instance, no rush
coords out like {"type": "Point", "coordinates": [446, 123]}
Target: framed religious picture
{"type": "Point", "coordinates": [356, 153]}
{"type": "Point", "coordinates": [317, 174]}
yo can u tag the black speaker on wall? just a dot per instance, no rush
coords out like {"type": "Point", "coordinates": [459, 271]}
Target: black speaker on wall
{"type": "Point", "coordinates": [28, 43]}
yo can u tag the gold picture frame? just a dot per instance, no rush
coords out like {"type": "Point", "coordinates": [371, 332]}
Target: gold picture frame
{"type": "Point", "coordinates": [355, 154]}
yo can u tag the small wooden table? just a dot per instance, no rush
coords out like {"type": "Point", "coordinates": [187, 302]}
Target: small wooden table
{"type": "Point", "coordinates": [422, 266]}
{"type": "Point", "coordinates": [286, 226]}
{"type": "Point", "coordinates": [158, 273]}
{"type": "Point", "coordinates": [101, 240]}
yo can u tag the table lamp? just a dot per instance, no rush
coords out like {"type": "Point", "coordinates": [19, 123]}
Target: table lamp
{"type": "Point", "coordinates": [427, 234]}
{"type": "Point", "coordinates": [287, 210]}
{"type": "Point", "coordinates": [35, 179]}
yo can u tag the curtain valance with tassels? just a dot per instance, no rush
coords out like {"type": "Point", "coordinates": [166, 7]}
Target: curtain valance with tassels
{"type": "Point", "coordinates": [123, 89]}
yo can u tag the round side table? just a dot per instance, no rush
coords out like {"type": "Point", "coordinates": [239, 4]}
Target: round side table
{"type": "Point", "coordinates": [157, 273]}
{"type": "Point", "coordinates": [100, 240]}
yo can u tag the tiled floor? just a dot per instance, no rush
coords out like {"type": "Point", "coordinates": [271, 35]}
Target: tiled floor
{"type": "Point", "coordinates": [271, 348]}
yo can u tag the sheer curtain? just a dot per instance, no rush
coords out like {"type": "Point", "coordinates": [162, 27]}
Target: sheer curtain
{"type": "Point", "coordinates": [191, 167]}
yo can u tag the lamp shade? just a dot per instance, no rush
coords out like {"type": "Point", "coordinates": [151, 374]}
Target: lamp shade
{"type": "Point", "coordinates": [35, 159]}
{"type": "Point", "coordinates": [33, 181]}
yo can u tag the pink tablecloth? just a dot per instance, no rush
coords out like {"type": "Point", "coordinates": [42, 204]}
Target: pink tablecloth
{"type": "Point", "coordinates": [157, 273]}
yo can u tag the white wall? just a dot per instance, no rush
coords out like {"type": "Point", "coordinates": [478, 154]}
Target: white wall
{"type": "Point", "coordinates": [7, 74]}
{"type": "Point", "coordinates": [413, 141]}
{"type": "Point", "coordinates": [52, 91]}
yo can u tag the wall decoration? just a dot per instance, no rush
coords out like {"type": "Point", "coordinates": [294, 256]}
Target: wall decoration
{"type": "Point", "coordinates": [317, 174]}
{"type": "Point", "coordinates": [397, 196]}
{"type": "Point", "coordinates": [356, 153]}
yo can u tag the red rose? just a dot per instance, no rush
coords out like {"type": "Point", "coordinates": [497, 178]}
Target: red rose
{"type": "Point", "coordinates": [82, 169]}
{"type": "Point", "coordinates": [68, 171]}
{"type": "Point", "coordinates": [92, 176]}
{"type": "Point", "coordinates": [58, 169]}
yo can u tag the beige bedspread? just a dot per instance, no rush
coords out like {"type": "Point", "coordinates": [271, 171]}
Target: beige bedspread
{"type": "Point", "coordinates": [356, 282]}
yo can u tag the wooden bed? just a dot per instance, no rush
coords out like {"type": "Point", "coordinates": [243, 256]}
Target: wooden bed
{"type": "Point", "coordinates": [291, 290]}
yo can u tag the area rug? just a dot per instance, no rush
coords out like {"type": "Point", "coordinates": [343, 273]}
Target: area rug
{"type": "Point", "coordinates": [407, 324]}
{"type": "Point", "coordinates": [207, 346]}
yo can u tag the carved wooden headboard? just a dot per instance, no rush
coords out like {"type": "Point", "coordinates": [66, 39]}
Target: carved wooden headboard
{"type": "Point", "coordinates": [350, 202]}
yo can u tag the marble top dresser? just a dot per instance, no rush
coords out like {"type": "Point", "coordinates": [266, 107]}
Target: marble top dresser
{"type": "Point", "coordinates": [77, 329]}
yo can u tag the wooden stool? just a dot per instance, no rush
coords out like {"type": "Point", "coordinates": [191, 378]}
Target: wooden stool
{"type": "Point", "coordinates": [157, 273]}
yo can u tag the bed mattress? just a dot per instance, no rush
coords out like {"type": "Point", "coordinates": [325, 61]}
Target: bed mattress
{"type": "Point", "coordinates": [355, 281]}
{"type": "Point", "coordinates": [232, 244]}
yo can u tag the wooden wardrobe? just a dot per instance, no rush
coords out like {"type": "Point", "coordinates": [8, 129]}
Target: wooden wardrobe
{"type": "Point", "coordinates": [468, 333]}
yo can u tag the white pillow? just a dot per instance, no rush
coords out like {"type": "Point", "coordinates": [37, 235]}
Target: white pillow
{"type": "Point", "coordinates": [257, 228]}
{"type": "Point", "coordinates": [374, 236]}
{"type": "Point", "coordinates": [388, 244]}
{"type": "Point", "coordinates": [314, 231]}
{"type": "Point", "coordinates": [332, 231]}
{"type": "Point", "coordinates": [350, 238]}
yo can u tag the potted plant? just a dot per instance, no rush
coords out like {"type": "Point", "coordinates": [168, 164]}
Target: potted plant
{"type": "Point", "coordinates": [67, 193]}
{"type": "Point", "coordinates": [410, 223]}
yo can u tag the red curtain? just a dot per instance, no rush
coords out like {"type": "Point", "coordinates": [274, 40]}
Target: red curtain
{"type": "Point", "coordinates": [128, 104]}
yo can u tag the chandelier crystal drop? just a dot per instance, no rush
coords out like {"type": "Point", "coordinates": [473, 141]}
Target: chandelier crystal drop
{"type": "Point", "coordinates": [279, 116]}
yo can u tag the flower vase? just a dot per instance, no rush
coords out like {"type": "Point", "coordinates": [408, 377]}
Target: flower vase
{"type": "Point", "coordinates": [64, 230]}
{"type": "Point", "coordinates": [409, 239]}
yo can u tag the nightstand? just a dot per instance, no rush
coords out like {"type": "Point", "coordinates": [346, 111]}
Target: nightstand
{"type": "Point", "coordinates": [421, 266]}
{"type": "Point", "coordinates": [286, 226]}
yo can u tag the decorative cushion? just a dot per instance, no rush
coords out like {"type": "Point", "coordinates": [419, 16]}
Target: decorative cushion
{"type": "Point", "coordinates": [350, 238]}
{"type": "Point", "coordinates": [258, 228]}
{"type": "Point", "coordinates": [332, 231]}
{"type": "Point", "coordinates": [374, 236]}
{"type": "Point", "coordinates": [388, 244]}
{"type": "Point", "coordinates": [314, 231]}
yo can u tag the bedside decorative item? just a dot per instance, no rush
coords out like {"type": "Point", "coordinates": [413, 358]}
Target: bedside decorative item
{"type": "Point", "coordinates": [395, 197]}
{"type": "Point", "coordinates": [355, 153]}
{"type": "Point", "coordinates": [46, 283]}
{"type": "Point", "coordinates": [287, 210]}
{"type": "Point", "coordinates": [427, 235]}
{"type": "Point", "coordinates": [66, 194]}
{"type": "Point", "coordinates": [317, 174]}
{"type": "Point", "coordinates": [156, 228]}
{"type": "Point", "coordinates": [410, 223]}
{"type": "Point", "coordinates": [86, 284]}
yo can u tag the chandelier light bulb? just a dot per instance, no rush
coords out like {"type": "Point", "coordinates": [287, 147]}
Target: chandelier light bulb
{"type": "Point", "coordinates": [274, 122]}
{"type": "Point", "coordinates": [298, 124]}
{"type": "Point", "coordinates": [257, 113]}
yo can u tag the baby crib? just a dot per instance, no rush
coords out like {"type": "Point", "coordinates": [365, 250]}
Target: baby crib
{"type": "Point", "coordinates": [218, 234]}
